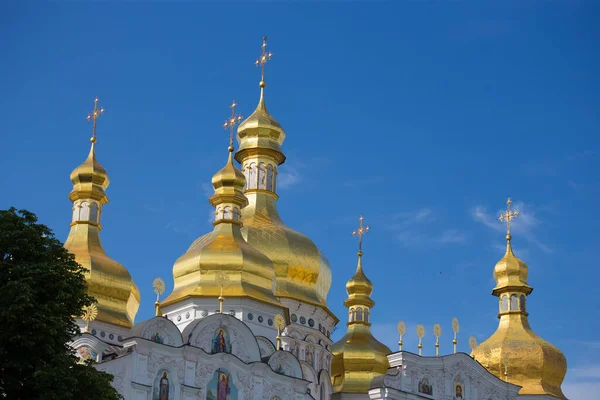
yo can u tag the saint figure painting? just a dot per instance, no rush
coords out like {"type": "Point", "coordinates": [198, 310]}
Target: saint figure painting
{"type": "Point", "coordinates": [220, 342]}
{"type": "Point", "coordinates": [163, 387]}
{"type": "Point", "coordinates": [221, 387]}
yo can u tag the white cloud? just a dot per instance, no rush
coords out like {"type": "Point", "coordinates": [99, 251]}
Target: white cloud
{"type": "Point", "coordinates": [524, 225]}
{"type": "Point", "coordinates": [453, 236]}
{"type": "Point", "coordinates": [422, 215]}
{"type": "Point", "coordinates": [288, 178]}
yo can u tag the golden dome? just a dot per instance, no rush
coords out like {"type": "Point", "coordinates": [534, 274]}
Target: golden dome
{"type": "Point", "coordinates": [90, 179]}
{"type": "Point", "coordinates": [108, 281]}
{"type": "Point", "coordinates": [514, 352]}
{"type": "Point", "coordinates": [249, 271]}
{"type": "Point", "coordinates": [302, 271]}
{"type": "Point", "coordinates": [261, 130]}
{"type": "Point", "coordinates": [358, 357]}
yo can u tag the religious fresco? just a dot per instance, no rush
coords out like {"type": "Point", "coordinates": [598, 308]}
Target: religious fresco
{"type": "Point", "coordinates": [221, 387]}
{"type": "Point", "coordinates": [425, 387]}
{"type": "Point", "coordinates": [86, 353]}
{"type": "Point", "coordinates": [459, 389]}
{"type": "Point", "coordinates": [163, 387]}
{"type": "Point", "coordinates": [157, 338]}
{"type": "Point", "coordinates": [220, 342]}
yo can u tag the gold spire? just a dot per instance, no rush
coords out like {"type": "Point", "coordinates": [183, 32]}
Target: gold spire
{"type": "Point", "coordinates": [221, 262]}
{"type": "Point", "coordinates": [535, 365]}
{"type": "Point", "coordinates": [108, 281]}
{"type": "Point", "coordinates": [159, 286]}
{"type": "Point", "coordinates": [262, 60]}
{"type": "Point", "coordinates": [302, 272]}
{"type": "Point", "coordinates": [455, 329]}
{"type": "Point", "coordinates": [437, 332]}
{"type": "Point", "coordinates": [358, 357]}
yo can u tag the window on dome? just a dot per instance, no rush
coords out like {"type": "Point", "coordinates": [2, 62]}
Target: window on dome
{"type": "Point", "coordinates": [359, 314]}
{"type": "Point", "coordinates": [94, 212]}
{"type": "Point", "coordinates": [252, 178]}
{"type": "Point", "coordinates": [514, 302]}
{"type": "Point", "coordinates": [262, 176]}
{"type": "Point", "coordinates": [84, 214]}
{"type": "Point", "coordinates": [504, 302]}
{"type": "Point", "coordinates": [270, 177]}
{"type": "Point", "coordinates": [523, 303]}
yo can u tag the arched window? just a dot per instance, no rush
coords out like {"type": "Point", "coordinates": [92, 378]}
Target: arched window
{"type": "Point", "coordinates": [75, 212]}
{"type": "Point", "coordinates": [504, 303]}
{"type": "Point", "coordinates": [227, 213]}
{"type": "Point", "coordinates": [236, 214]}
{"type": "Point", "coordinates": [359, 316]}
{"type": "Point", "coordinates": [252, 178]}
{"type": "Point", "coordinates": [262, 176]}
{"type": "Point", "coordinates": [275, 173]}
{"type": "Point", "coordinates": [270, 177]}
{"type": "Point", "coordinates": [523, 303]}
{"type": "Point", "coordinates": [94, 212]}
{"type": "Point", "coordinates": [84, 214]}
{"type": "Point", "coordinates": [514, 302]}
{"type": "Point", "coordinates": [366, 315]}
{"type": "Point", "coordinates": [352, 314]}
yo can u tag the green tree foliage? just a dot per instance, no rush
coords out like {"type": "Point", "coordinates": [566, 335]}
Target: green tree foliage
{"type": "Point", "coordinates": [41, 288]}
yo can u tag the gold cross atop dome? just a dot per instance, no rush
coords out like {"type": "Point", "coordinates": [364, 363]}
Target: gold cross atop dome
{"type": "Point", "coordinates": [507, 217]}
{"type": "Point", "coordinates": [262, 60]}
{"type": "Point", "coordinates": [231, 122]}
{"type": "Point", "coordinates": [360, 232]}
{"type": "Point", "coordinates": [93, 116]}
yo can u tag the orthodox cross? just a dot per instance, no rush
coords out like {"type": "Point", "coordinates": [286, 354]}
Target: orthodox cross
{"type": "Point", "coordinates": [93, 116]}
{"type": "Point", "coordinates": [360, 232]}
{"type": "Point", "coordinates": [437, 332]}
{"type": "Point", "coordinates": [231, 122]}
{"type": "Point", "coordinates": [262, 60]}
{"type": "Point", "coordinates": [402, 332]}
{"type": "Point", "coordinates": [223, 281]}
{"type": "Point", "coordinates": [508, 216]}
{"type": "Point", "coordinates": [456, 329]}
{"type": "Point", "coordinates": [280, 325]}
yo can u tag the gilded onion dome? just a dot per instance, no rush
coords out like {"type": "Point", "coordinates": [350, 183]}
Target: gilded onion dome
{"type": "Point", "coordinates": [358, 357]}
{"type": "Point", "coordinates": [108, 281]}
{"type": "Point", "coordinates": [224, 251]}
{"type": "Point", "coordinates": [301, 271]}
{"type": "Point", "coordinates": [514, 352]}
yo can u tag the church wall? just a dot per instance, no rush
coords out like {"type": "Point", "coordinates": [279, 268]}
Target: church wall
{"type": "Point", "coordinates": [258, 316]}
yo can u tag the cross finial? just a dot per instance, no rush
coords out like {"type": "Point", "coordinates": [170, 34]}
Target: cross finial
{"type": "Point", "coordinates": [507, 217]}
{"type": "Point", "coordinates": [93, 116]}
{"type": "Point", "coordinates": [360, 232]}
{"type": "Point", "coordinates": [231, 122]}
{"type": "Point", "coordinates": [262, 60]}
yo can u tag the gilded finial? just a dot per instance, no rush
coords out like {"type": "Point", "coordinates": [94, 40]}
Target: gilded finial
{"type": "Point", "coordinates": [362, 230]}
{"type": "Point", "coordinates": [159, 286]}
{"type": "Point", "coordinates": [473, 344]}
{"type": "Point", "coordinates": [222, 279]}
{"type": "Point", "coordinates": [402, 332]}
{"type": "Point", "coordinates": [89, 314]}
{"type": "Point", "coordinates": [507, 217]}
{"type": "Point", "coordinates": [230, 123]}
{"type": "Point", "coordinates": [93, 116]}
{"type": "Point", "coordinates": [437, 332]}
{"type": "Point", "coordinates": [262, 60]}
{"type": "Point", "coordinates": [505, 361]}
{"type": "Point", "coordinates": [280, 325]}
{"type": "Point", "coordinates": [420, 335]}
{"type": "Point", "coordinates": [455, 328]}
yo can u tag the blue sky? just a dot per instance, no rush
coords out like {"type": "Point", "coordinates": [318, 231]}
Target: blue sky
{"type": "Point", "coordinates": [423, 116]}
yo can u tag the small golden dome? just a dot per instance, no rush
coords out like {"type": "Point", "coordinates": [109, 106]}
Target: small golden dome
{"type": "Point", "coordinates": [90, 179]}
{"type": "Point", "coordinates": [260, 130]}
{"type": "Point", "coordinates": [514, 352]}
{"type": "Point", "coordinates": [358, 357]}
{"type": "Point", "coordinates": [108, 281]}
{"type": "Point", "coordinates": [224, 249]}
{"type": "Point", "coordinates": [511, 272]}
{"type": "Point", "coordinates": [229, 176]}
{"type": "Point", "coordinates": [359, 284]}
